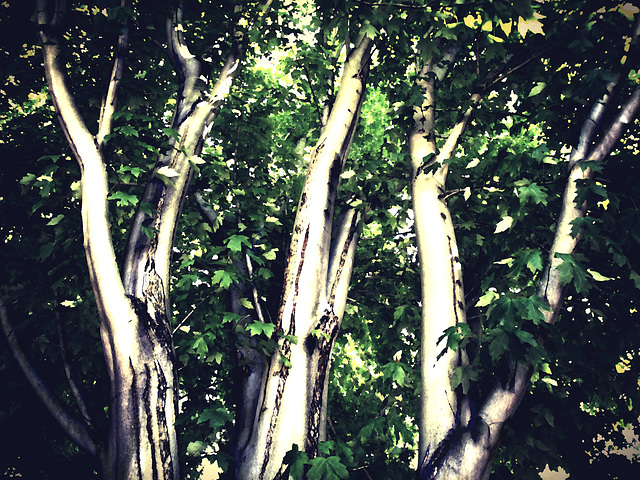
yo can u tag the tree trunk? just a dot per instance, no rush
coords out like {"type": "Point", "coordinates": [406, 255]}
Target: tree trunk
{"type": "Point", "coordinates": [292, 405]}
{"type": "Point", "coordinates": [135, 309]}
{"type": "Point", "coordinates": [449, 448]}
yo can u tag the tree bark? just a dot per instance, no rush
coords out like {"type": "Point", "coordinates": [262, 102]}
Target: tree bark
{"type": "Point", "coordinates": [292, 405]}
{"type": "Point", "coordinates": [441, 274]}
{"type": "Point", "coordinates": [449, 448]}
{"type": "Point", "coordinates": [134, 309]}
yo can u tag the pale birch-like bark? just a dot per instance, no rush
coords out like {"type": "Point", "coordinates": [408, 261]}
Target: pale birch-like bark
{"type": "Point", "coordinates": [461, 453]}
{"type": "Point", "coordinates": [110, 100]}
{"type": "Point", "coordinates": [134, 311]}
{"type": "Point", "coordinates": [447, 449]}
{"type": "Point", "coordinates": [442, 293]}
{"type": "Point", "coordinates": [292, 405]}
{"type": "Point", "coordinates": [471, 458]}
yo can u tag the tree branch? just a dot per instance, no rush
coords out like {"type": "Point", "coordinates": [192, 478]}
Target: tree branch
{"type": "Point", "coordinates": [187, 66]}
{"type": "Point", "coordinates": [476, 448]}
{"type": "Point", "coordinates": [75, 392]}
{"type": "Point", "coordinates": [344, 239]}
{"type": "Point", "coordinates": [110, 100]}
{"type": "Point", "coordinates": [103, 269]}
{"type": "Point", "coordinates": [550, 288]}
{"type": "Point", "coordinates": [590, 126]}
{"type": "Point", "coordinates": [313, 94]}
{"type": "Point", "coordinates": [76, 429]}
{"type": "Point", "coordinates": [422, 137]}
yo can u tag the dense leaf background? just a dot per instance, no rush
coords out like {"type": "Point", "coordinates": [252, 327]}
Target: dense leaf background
{"type": "Point", "coordinates": [504, 191]}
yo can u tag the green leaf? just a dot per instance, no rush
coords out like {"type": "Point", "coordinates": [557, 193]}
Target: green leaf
{"type": "Point", "coordinates": [327, 468]}
{"type": "Point", "coordinates": [166, 174]}
{"type": "Point", "coordinates": [534, 260]}
{"type": "Point", "coordinates": [486, 298]}
{"type": "Point", "coordinates": [326, 447]}
{"type": "Point", "coordinates": [235, 242]}
{"type": "Point", "coordinates": [170, 132]}
{"type": "Point", "coordinates": [223, 278]}
{"type": "Point", "coordinates": [395, 371]}
{"type": "Point", "coordinates": [369, 30]}
{"type": "Point", "coordinates": [296, 461]}
{"type": "Point", "coordinates": [216, 417]}
{"type": "Point", "coordinates": [532, 192]}
{"type": "Point", "coordinates": [463, 376]}
{"type": "Point", "coordinates": [195, 448]}
{"type": "Point", "coordinates": [123, 199]}
{"type": "Point", "coordinates": [499, 344]}
{"type": "Point", "coordinates": [56, 220]}
{"type": "Point", "coordinates": [46, 250]}
{"type": "Point", "coordinates": [149, 231]}
{"type": "Point", "coordinates": [598, 277]}
{"type": "Point", "coordinates": [28, 179]}
{"type": "Point", "coordinates": [258, 328]}
{"type": "Point", "coordinates": [271, 254]}
{"type": "Point", "coordinates": [633, 275]}
{"type": "Point", "coordinates": [504, 224]}
{"type": "Point", "coordinates": [526, 337]}
{"type": "Point", "coordinates": [572, 271]}
{"type": "Point", "coordinates": [537, 89]}
{"type": "Point", "coordinates": [127, 131]}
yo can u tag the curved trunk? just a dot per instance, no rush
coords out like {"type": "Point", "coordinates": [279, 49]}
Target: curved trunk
{"type": "Point", "coordinates": [135, 309]}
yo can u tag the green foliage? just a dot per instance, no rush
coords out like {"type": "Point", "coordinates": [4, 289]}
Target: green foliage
{"type": "Point", "coordinates": [504, 191]}
{"type": "Point", "coordinates": [327, 468]}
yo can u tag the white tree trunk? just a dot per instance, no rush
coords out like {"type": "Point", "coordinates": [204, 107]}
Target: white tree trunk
{"type": "Point", "coordinates": [134, 310]}
{"type": "Point", "coordinates": [292, 408]}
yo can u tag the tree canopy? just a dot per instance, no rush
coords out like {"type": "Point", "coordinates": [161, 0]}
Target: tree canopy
{"type": "Point", "coordinates": [332, 239]}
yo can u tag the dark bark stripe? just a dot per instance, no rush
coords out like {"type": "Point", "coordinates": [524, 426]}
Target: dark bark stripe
{"type": "Point", "coordinates": [328, 327]}
{"type": "Point", "coordinates": [343, 258]}
{"type": "Point", "coordinates": [283, 372]}
{"type": "Point", "coordinates": [148, 415]}
{"type": "Point", "coordinates": [456, 302]}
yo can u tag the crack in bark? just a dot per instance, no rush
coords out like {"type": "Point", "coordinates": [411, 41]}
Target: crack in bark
{"type": "Point", "coordinates": [343, 259]}
{"type": "Point", "coordinates": [283, 372]}
{"type": "Point", "coordinates": [328, 327]}
{"type": "Point", "coordinates": [148, 409]}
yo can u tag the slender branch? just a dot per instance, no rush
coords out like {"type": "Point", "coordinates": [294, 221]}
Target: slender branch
{"type": "Point", "coordinates": [343, 247]}
{"type": "Point", "coordinates": [75, 428]}
{"type": "Point", "coordinates": [313, 93]}
{"type": "Point", "coordinates": [257, 305]}
{"type": "Point", "coordinates": [110, 100]}
{"type": "Point", "coordinates": [565, 241]}
{"type": "Point", "coordinates": [590, 126]}
{"type": "Point", "coordinates": [184, 320]}
{"type": "Point", "coordinates": [616, 129]}
{"type": "Point", "coordinates": [502, 76]}
{"type": "Point", "coordinates": [450, 145]}
{"type": "Point", "coordinates": [75, 392]}
{"type": "Point", "coordinates": [186, 64]}
{"type": "Point", "coordinates": [209, 214]}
